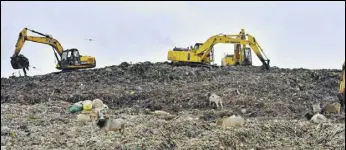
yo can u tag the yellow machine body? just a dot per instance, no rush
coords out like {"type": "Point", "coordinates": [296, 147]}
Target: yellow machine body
{"type": "Point", "coordinates": [204, 52]}
{"type": "Point", "coordinates": [341, 94]}
{"type": "Point", "coordinates": [69, 59]}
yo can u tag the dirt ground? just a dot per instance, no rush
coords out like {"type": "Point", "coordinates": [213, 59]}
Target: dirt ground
{"type": "Point", "coordinates": [34, 110]}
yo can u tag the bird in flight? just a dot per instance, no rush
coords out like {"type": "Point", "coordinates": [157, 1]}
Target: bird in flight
{"type": "Point", "coordinates": [90, 39]}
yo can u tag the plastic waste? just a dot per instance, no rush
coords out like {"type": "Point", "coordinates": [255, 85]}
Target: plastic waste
{"type": "Point", "coordinates": [75, 108]}
{"type": "Point", "coordinates": [87, 106]}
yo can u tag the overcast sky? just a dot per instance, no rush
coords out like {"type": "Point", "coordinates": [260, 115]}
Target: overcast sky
{"type": "Point", "coordinates": [292, 34]}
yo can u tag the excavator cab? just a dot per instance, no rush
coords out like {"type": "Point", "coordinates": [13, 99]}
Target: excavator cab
{"type": "Point", "coordinates": [247, 56]}
{"type": "Point", "coordinates": [70, 57]}
{"type": "Point", "coordinates": [210, 55]}
{"type": "Point", "coordinates": [72, 60]}
{"type": "Point", "coordinates": [197, 45]}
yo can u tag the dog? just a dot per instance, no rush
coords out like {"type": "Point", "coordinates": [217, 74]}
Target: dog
{"type": "Point", "coordinates": [317, 118]}
{"type": "Point", "coordinates": [331, 108]}
{"type": "Point", "coordinates": [106, 124]}
{"type": "Point", "coordinates": [213, 98]}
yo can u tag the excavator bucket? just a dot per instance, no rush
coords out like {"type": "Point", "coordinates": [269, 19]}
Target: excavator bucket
{"type": "Point", "coordinates": [265, 65]}
{"type": "Point", "coordinates": [20, 62]}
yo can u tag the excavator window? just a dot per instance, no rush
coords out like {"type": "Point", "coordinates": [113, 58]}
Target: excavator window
{"type": "Point", "coordinates": [64, 56]}
{"type": "Point", "coordinates": [76, 57]}
{"type": "Point", "coordinates": [70, 57]}
{"type": "Point", "coordinates": [75, 53]}
{"type": "Point", "coordinates": [69, 54]}
{"type": "Point", "coordinates": [247, 52]}
{"type": "Point", "coordinates": [196, 46]}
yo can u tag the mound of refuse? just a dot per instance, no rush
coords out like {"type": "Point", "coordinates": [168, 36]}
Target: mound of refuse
{"type": "Point", "coordinates": [35, 110]}
{"type": "Point", "coordinates": [159, 86]}
{"type": "Point", "coordinates": [49, 126]}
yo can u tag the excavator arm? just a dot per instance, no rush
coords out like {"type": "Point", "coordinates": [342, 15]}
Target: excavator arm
{"type": "Point", "coordinates": [237, 47]}
{"type": "Point", "coordinates": [46, 39]}
{"type": "Point", "coordinates": [206, 47]}
{"type": "Point", "coordinates": [258, 51]}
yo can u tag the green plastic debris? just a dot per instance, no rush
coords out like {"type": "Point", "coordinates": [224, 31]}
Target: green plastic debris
{"type": "Point", "coordinates": [75, 108]}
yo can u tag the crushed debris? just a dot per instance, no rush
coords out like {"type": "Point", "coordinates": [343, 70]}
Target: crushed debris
{"type": "Point", "coordinates": [273, 103]}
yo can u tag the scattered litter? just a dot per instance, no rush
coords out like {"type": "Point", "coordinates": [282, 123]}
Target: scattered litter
{"type": "Point", "coordinates": [231, 121]}
{"type": "Point", "coordinates": [277, 93]}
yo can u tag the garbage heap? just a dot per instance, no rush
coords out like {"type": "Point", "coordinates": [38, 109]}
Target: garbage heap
{"type": "Point", "coordinates": [159, 86]}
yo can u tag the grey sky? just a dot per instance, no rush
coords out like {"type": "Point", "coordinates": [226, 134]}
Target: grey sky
{"type": "Point", "coordinates": [292, 34]}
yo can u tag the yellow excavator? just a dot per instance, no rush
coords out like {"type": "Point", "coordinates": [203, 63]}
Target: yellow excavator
{"type": "Point", "coordinates": [341, 94]}
{"type": "Point", "coordinates": [203, 53]}
{"type": "Point", "coordinates": [242, 54]}
{"type": "Point", "coordinates": [68, 59]}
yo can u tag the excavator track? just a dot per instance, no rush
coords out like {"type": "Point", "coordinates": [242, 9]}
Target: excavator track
{"type": "Point", "coordinates": [190, 64]}
{"type": "Point", "coordinates": [67, 70]}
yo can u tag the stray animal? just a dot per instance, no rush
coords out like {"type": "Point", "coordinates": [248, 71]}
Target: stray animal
{"type": "Point", "coordinates": [331, 108]}
{"type": "Point", "coordinates": [107, 124]}
{"type": "Point", "coordinates": [213, 98]}
{"type": "Point", "coordinates": [316, 107]}
{"type": "Point", "coordinates": [230, 121]}
{"type": "Point", "coordinates": [317, 118]}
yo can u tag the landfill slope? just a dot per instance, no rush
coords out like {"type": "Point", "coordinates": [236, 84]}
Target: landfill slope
{"type": "Point", "coordinates": [275, 102]}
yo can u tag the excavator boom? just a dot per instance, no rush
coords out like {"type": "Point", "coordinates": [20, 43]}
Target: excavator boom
{"type": "Point", "coordinates": [203, 52]}
{"type": "Point", "coordinates": [46, 39]}
{"type": "Point", "coordinates": [69, 59]}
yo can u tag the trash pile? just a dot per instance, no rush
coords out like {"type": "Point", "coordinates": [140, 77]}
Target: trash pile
{"type": "Point", "coordinates": [278, 92]}
{"type": "Point", "coordinates": [88, 110]}
{"type": "Point", "coordinates": [176, 98]}
{"type": "Point", "coordinates": [49, 125]}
